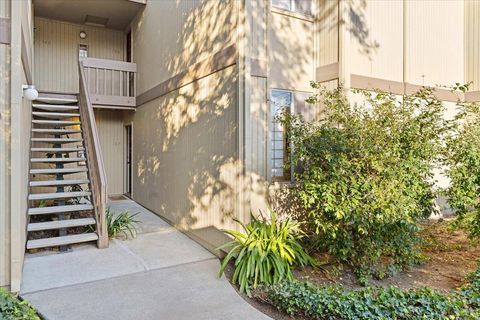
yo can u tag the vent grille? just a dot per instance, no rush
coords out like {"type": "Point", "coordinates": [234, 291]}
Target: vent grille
{"type": "Point", "coordinates": [96, 21]}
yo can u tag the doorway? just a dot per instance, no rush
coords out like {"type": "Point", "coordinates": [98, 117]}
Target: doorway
{"type": "Point", "coordinates": [128, 160]}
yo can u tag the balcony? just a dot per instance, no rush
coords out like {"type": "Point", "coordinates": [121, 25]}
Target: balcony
{"type": "Point", "coordinates": [110, 83]}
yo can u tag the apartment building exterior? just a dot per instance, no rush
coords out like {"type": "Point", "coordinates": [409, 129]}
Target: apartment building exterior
{"type": "Point", "coordinates": [176, 99]}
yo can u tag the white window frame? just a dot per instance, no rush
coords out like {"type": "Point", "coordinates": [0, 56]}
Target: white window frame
{"type": "Point", "coordinates": [293, 7]}
{"type": "Point", "coordinates": [80, 46]}
{"type": "Point", "coordinates": [270, 137]}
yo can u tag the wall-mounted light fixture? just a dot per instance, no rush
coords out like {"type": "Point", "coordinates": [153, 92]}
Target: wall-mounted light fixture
{"type": "Point", "coordinates": [82, 35]}
{"type": "Point", "coordinates": [29, 92]}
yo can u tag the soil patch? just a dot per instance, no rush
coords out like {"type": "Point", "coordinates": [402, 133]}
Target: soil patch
{"type": "Point", "coordinates": [450, 257]}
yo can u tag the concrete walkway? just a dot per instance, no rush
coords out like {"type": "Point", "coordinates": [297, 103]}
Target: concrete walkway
{"type": "Point", "coordinates": [161, 274]}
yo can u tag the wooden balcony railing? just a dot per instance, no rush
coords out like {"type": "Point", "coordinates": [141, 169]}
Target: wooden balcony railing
{"type": "Point", "coordinates": [96, 170]}
{"type": "Point", "coordinates": [110, 82]}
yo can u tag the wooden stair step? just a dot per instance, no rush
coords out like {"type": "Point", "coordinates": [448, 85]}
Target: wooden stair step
{"type": "Point", "coordinates": [54, 115]}
{"type": "Point", "coordinates": [60, 209]}
{"type": "Point", "coordinates": [57, 140]}
{"type": "Point", "coordinates": [56, 171]}
{"type": "Point", "coordinates": [58, 123]}
{"type": "Point", "coordinates": [56, 160]}
{"type": "Point", "coordinates": [60, 224]}
{"type": "Point", "coordinates": [56, 131]}
{"type": "Point", "coordinates": [53, 100]}
{"type": "Point", "coordinates": [61, 241]}
{"type": "Point", "coordinates": [57, 150]}
{"type": "Point", "coordinates": [46, 183]}
{"type": "Point", "coordinates": [54, 107]}
{"type": "Point", "coordinates": [58, 195]}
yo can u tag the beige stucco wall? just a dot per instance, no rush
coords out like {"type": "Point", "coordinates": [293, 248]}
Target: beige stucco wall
{"type": "Point", "coordinates": [56, 52]}
{"type": "Point", "coordinates": [185, 163]}
{"type": "Point", "coordinates": [170, 36]}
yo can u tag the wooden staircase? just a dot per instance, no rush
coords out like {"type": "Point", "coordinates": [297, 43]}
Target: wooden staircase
{"type": "Point", "coordinates": [61, 210]}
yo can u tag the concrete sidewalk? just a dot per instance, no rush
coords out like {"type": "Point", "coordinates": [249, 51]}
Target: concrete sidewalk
{"type": "Point", "coordinates": [161, 274]}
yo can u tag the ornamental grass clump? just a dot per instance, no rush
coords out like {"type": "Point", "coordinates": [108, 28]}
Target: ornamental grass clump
{"type": "Point", "coordinates": [123, 223]}
{"type": "Point", "coordinates": [365, 176]}
{"type": "Point", "coordinates": [265, 253]}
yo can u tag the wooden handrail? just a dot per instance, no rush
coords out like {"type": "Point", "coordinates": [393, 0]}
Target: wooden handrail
{"type": "Point", "coordinates": [96, 170]}
{"type": "Point", "coordinates": [110, 82]}
{"type": "Point", "coordinates": [109, 64]}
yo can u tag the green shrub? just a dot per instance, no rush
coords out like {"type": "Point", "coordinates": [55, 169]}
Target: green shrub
{"type": "Point", "coordinates": [13, 309]}
{"type": "Point", "coordinates": [463, 160]}
{"type": "Point", "coordinates": [335, 302]}
{"type": "Point", "coordinates": [266, 252]}
{"type": "Point", "coordinates": [366, 176]}
{"type": "Point", "coordinates": [122, 223]}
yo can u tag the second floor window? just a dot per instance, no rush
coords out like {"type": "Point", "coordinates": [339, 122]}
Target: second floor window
{"type": "Point", "coordinates": [300, 6]}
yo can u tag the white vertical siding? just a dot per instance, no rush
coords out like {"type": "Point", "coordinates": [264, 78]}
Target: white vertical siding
{"type": "Point", "coordinates": [435, 42]}
{"type": "Point", "coordinates": [327, 32]}
{"type": "Point", "coordinates": [185, 163]}
{"type": "Point", "coordinates": [174, 35]}
{"type": "Point", "coordinates": [110, 128]}
{"type": "Point", "coordinates": [376, 38]}
{"type": "Point", "coordinates": [472, 43]}
{"type": "Point", "coordinates": [56, 52]}
{"type": "Point", "coordinates": [257, 128]}
{"type": "Point", "coordinates": [258, 29]}
{"type": "Point", "coordinates": [291, 52]}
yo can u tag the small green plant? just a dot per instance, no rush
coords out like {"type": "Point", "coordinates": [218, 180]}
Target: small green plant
{"type": "Point", "coordinates": [12, 308]}
{"type": "Point", "coordinates": [335, 302]}
{"type": "Point", "coordinates": [266, 252]}
{"type": "Point", "coordinates": [122, 223]}
{"type": "Point", "coordinates": [42, 203]}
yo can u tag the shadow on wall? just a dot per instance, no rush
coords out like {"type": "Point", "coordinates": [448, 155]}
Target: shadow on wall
{"type": "Point", "coordinates": [186, 142]}
{"type": "Point", "coordinates": [186, 150]}
{"type": "Point", "coordinates": [358, 28]}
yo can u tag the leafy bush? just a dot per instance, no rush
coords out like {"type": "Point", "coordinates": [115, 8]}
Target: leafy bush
{"type": "Point", "coordinates": [123, 223]}
{"type": "Point", "coordinates": [13, 309]}
{"type": "Point", "coordinates": [463, 160]}
{"type": "Point", "coordinates": [266, 252]}
{"type": "Point", "coordinates": [366, 175]}
{"type": "Point", "coordinates": [335, 302]}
